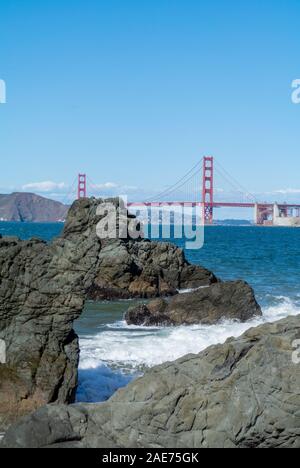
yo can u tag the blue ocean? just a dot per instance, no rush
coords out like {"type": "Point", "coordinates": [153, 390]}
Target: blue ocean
{"type": "Point", "coordinates": [113, 353]}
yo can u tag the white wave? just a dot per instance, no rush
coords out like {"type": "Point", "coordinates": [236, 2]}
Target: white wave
{"type": "Point", "coordinates": [108, 358]}
{"type": "Point", "coordinates": [189, 290]}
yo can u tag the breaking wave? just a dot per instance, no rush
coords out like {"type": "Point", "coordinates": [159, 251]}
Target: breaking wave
{"type": "Point", "coordinates": [119, 353]}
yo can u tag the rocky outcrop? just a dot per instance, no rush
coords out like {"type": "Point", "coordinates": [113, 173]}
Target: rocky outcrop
{"type": "Point", "coordinates": [144, 269]}
{"type": "Point", "coordinates": [232, 300]}
{"type": "Point", "coordinates": [28, 207]}
{"type": "Point", "coordinates": [42, 291]}
{"type": "Point", "coordinates": [244, 393]}
{"type": "Point", "coordinates": [135, 268]}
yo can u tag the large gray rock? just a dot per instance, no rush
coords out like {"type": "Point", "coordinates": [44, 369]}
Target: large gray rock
{"type": "Point", "coordinates": [134, 268]}
{"type": "Point", "coordinates": [144, 269]}
{"type": "Point", "coordinates": [231, 300]}
{"type": "Point", "coordinates": [244, 393]}
{"type": "Point", "coordinates": [42, 291]}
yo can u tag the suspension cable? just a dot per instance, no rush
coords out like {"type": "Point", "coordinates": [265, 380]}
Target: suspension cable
{"type": "Point", "coordinates": [233, 181]}
{"type": "Point", "coordinates": [174, 187]}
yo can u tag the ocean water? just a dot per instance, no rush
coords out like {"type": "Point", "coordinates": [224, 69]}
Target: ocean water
{"type": "Point", "coordinates": [112, 353]}
{"type": "Point", "coordinates": [26, 231]}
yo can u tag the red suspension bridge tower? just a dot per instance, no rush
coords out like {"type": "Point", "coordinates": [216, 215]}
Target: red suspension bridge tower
{"type": "Point", "coordinates": [81, 192]}
{"type": "Point", "coordinates": [208, 189]}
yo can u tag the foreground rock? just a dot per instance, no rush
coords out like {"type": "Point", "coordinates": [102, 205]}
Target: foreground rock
{"type": "Point", "coordinates": [231, 300]}
{"type": "Point", "coordinates": [244, 393]}
{"type": "Point", "coordinates": [42, 291]}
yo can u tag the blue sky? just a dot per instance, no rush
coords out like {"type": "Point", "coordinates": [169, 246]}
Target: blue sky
{"type": "Point", "coordinates": [134, 93]}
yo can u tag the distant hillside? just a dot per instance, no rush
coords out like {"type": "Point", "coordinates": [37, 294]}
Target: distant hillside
{"type": "Point", "coordinates": [31, 208]}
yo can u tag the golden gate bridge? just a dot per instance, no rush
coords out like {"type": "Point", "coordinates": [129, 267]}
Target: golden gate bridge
{"type": "Point", "coordinates": [198, 188]}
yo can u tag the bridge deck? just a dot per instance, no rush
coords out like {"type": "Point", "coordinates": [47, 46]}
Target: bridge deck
{"type": "Point", "coordinates": [214, 205]}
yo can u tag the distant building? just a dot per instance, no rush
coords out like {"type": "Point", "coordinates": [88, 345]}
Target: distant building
{"type": "Point", "coordinates": [281, 218]}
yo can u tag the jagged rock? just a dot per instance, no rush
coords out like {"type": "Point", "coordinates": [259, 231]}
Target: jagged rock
{"type": "Point", "coordinates": [144, 269]}
{"type": "Point", "coordinates": [244, 393]}
{"type": "Point", "coordinates": [42, 291]}
{"type": "Point", "coordinates": [148, 315]}
{"type": "Point", "coordinates": [134, 268]}
{"type": "Point", "coordinates": [231, 300]}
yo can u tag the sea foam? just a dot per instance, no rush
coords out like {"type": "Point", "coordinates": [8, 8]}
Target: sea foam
{"type": "Point", "coordinates": [120, 353]}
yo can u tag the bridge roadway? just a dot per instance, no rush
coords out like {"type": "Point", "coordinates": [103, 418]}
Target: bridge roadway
{"type": "Point", "coordinates": [214, 204]}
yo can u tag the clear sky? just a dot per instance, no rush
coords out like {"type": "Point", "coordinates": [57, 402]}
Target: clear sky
{"type": "Point", "coordinates": [135, 92]}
